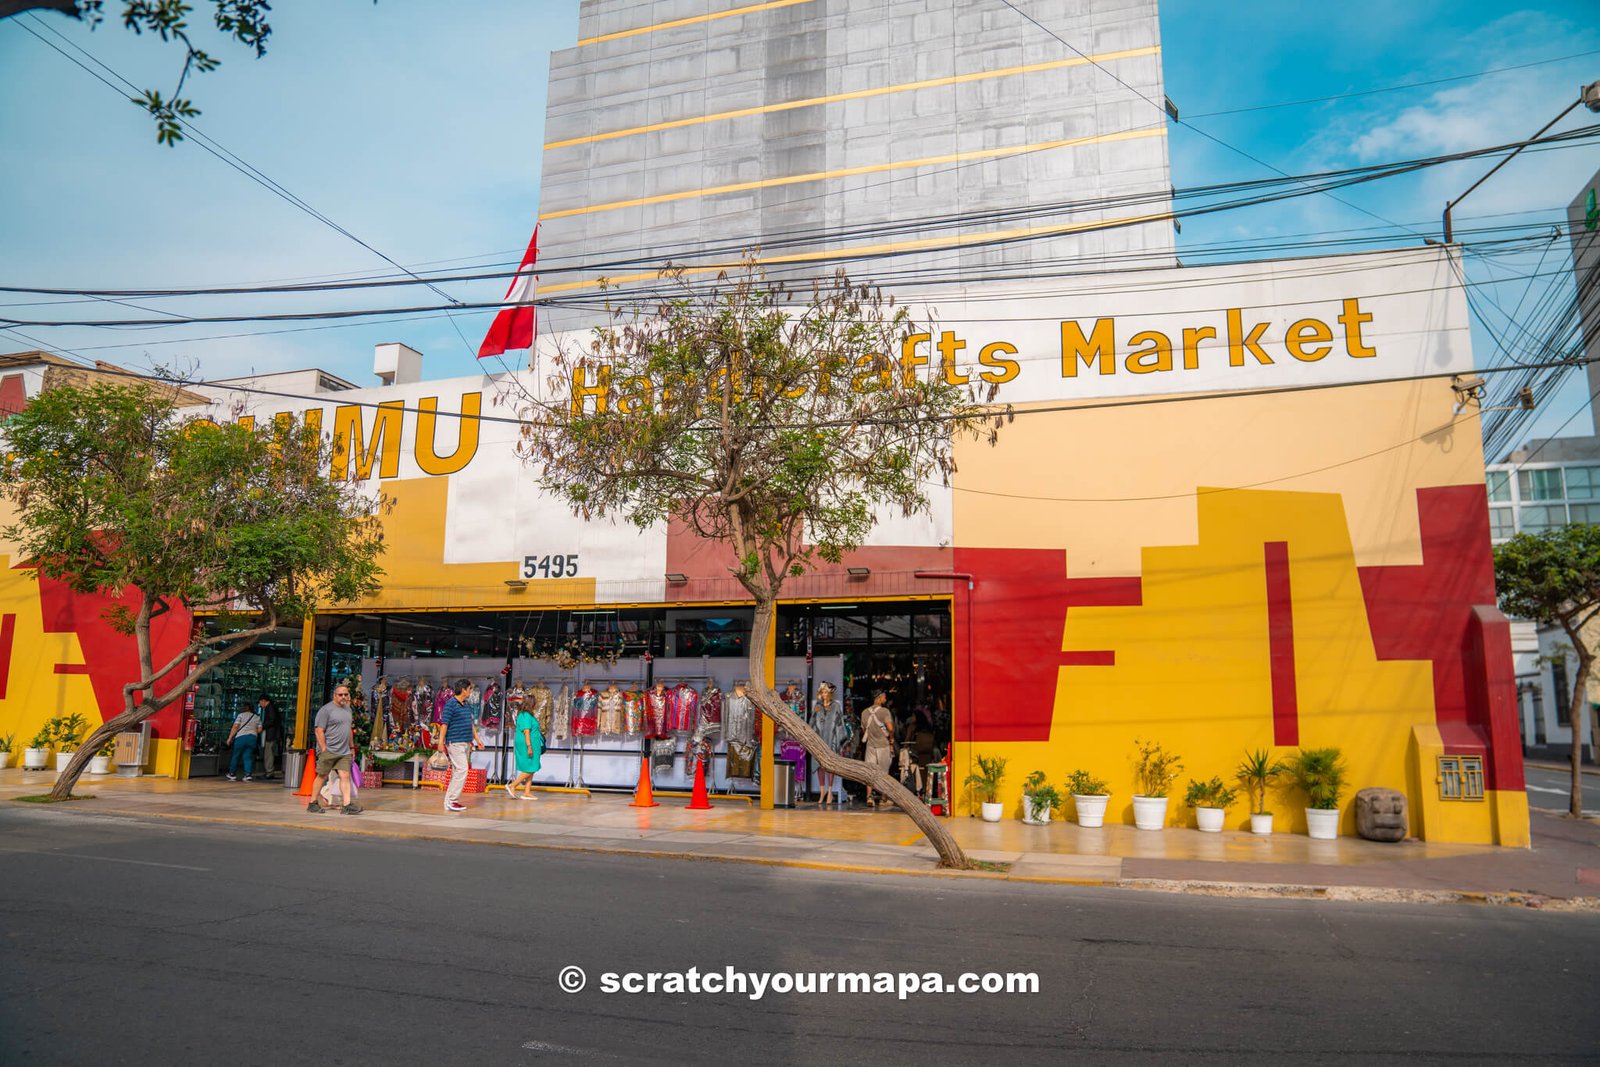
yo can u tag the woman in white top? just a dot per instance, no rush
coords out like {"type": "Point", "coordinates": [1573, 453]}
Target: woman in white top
{"type": "Point", "coordinates": [245, 737]}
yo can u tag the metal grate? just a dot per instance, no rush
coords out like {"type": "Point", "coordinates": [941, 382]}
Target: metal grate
{"type": "Point", "coordinates": [1460, 777]}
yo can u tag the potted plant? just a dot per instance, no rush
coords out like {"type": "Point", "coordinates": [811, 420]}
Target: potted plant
{"type": "Point", "coordinates": [1320, 774]}
{"type": "Point", "coordinates": [69, 733]}
{"type": "Point", "coordinates": [985, 782]}
{"type": "Point", "coordinates": [1038, 800]}
{"type": "Point", "coordinates": [1210, 801]}
{"type": "Point", "coordinates": [6, 744]}
{"type": "Point", "coordinates": [1154, 770]}
{"type": "Point", "coordinates": [37, 755]}
{"type": "Point", "coordinates": [1257, 771]}
{"type": "Point", "coordinates": [1089, 796]}
{"type": "Point", "coordinates": [100, 763]}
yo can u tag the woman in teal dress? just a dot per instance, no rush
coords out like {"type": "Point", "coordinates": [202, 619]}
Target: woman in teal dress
{"type": "Point", "coordinates": [528, 745]}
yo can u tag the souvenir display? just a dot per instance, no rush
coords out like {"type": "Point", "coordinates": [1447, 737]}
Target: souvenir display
{"type": "Point", "coordinates": [585, 711]}
{"type": "Point", "coordinates": [609, 719]}
{"type": "Point", "coordinates": [561, 727]}
{"type": "Point", "coordinates": [655, 711]}
{"type": "Point", "coordinates": [633, 712]}
{"type": "Point", "coordinates": [683, 708]}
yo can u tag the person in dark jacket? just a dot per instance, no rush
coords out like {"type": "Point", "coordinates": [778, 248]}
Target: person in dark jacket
{"type": "Point", "coordinates": [271, 734]}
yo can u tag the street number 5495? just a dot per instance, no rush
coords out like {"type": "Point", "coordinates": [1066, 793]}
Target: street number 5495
{"type": "Point", "coordinates": [550, 566]}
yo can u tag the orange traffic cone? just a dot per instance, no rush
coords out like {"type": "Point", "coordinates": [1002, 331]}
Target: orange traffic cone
{"type": "Point", "coordinates": [643, 797]}
{"type": "Point", "coordinates": [308, 779]}
{"type": "Point", "coordinates": [700, 801]}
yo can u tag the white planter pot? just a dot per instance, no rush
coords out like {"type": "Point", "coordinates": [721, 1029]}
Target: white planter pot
{"type": "Point", "coordinates": [992, 812]}
{"type": "Point", "coordinates": [64, 758]}
{"type": "Point", "coordinates": [1035, 814]}
{"type": "Point", "coordinates": [1091, 809]}
{"type": "Point", "coordinates": [35, 759]}
{"type": "Point", "coordinates": [1149, 813]}
{"type": "Point", "coordinates": [5, 760]}
{"type": "Point", "coordinates": [1262, 823]}
{"type": "Point", "coordinates": [1209, 819]}
{"type": "Point", "coordinates": [1322, 823]}
{"type": "Point", "coordinates": [100, 765]}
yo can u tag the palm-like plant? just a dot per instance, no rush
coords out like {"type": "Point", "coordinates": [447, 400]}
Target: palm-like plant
{"type": "Point", "coordinates": [985, 781]}
{"type": "Point", "coordinates": [1257, 771]}
{"type": "Point", "coordinates": [1320, 774]}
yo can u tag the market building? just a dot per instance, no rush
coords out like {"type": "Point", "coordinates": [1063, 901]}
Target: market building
{"type": "Point", "coordinates": [1241, 506]}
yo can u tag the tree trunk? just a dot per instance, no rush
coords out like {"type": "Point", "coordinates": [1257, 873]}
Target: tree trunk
{"type": "Point", "coordinates": [1580, 691]}
{"type": "Point", "coordinates": [767, 699]}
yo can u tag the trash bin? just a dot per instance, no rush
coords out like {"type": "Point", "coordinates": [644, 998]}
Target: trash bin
{"type": "Point", "coordinates": [294, 767]}
{"type": "Point", "coordinates": [782, 783]}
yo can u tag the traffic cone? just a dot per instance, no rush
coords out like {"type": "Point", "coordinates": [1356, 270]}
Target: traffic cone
{"type": "Point", "coordinates": [308, 779]}
{"type": "Point", "coordinates": [643, 797]}
{"type": "Point", "coordinates": [700, 801]}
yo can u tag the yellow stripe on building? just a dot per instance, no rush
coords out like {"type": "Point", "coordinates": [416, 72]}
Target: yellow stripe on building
{"type": "Point", "coordinates": [955, 241]}
{"type": "Point", "coordinates": [858, 94]}
{"type": "Point", "coordinates": [747, 10]}
{"type": "Point", "coordinates": [850, 172]}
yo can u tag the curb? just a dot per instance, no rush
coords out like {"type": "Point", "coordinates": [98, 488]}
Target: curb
{"type": "Point", "coordinates": [1194, 887]}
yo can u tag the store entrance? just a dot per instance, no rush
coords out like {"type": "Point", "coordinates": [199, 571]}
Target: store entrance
{"type": "Point", "coordinates": [901, 649]}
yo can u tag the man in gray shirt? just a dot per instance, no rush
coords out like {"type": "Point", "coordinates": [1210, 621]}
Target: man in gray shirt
{"type": "Point", "coordinates": [333, 749]}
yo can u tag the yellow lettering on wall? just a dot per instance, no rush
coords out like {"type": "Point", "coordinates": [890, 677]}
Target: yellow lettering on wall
{"type": "Point", "coordinates": [1351, 319]}
{"type": "Point", "coordinates": [313, 420]}
{"type": "Point", "coordinates": [1192, 336]}
{"type": "Point", "coordinates": [1101, 345]}
{"type": "Point", "coordinates": [910, 359]}
{"type": "Point", "coordinates": [428, 458]}
{"type": "Point", "coordinates": [582, 390]}
{"type": "Point", "coordinates": [350, 440]}
{"type": "Point", "coordinates": [247, 421]}
{"type": "Point", "coordinates": [949, 345]}
{"type": "Point", "coordinates": [1159, 346]}
{"type": "Point", "coordinates": [638, 394]}
{"type": "Point", "coordinates": [991, 355]}
{"type": "Point", "coordinates": [875, 377]}
{"type": "Point", "coordinates": [1239, 341]}
{"type": "Point", "coordinates": [1308, 331]}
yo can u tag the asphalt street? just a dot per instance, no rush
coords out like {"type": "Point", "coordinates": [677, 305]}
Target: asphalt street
{"type": "Point", "coordinates": [1552, 790]}
{"type": "Point", "coordinates": [160, 943]}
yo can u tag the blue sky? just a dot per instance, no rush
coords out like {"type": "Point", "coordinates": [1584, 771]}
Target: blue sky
{"type": "Point", "coordinates": [416, 126]}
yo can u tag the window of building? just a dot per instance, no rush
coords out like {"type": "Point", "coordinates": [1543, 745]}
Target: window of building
{"type": "Point", "coordinates": [1584, 512]}
{"type": "Point", "coordinates": [1499, 486]}
{"type": "Point", "coordinates": [1562, 692]}
{"type": "Point", "coordinates": [1543, 484]}
{"type": "Point", "coordinates": [1583, 483]}
{"type": "Point", "coordinates": [1501, 523]}
{"type": "Point", "coordinates": [1536, 517]}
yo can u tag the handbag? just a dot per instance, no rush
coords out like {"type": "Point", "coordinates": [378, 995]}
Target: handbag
{"type": "Point", "coordinates": [438, 762]}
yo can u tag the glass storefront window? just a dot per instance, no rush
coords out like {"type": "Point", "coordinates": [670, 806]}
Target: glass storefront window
{"type": "Point", "coordinates": [1501, 524]}
{"type": "Point", "coordinates": [1499, 485]}
{"type": "Point", "coordinates": [1543, 484]}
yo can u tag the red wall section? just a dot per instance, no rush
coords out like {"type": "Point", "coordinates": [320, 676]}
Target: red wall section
{"type": "Point", "coordinates": [1426, 612]}
{"type": "Point", "coordinates": [1012, 627]}
{"type": "Point", "coordinates": [111, 659]}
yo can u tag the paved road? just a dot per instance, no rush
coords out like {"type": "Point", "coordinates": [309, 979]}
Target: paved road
{"type": "Point", "coordinates": [161, 943]}
{"type": "Point", "coordinates": [1552, 790]}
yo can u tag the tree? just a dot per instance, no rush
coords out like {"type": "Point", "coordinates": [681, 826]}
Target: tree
{"type": "Point", "coordinates": [1553, 578]}
{"type": "Point", "coordinates": [244, 21]}
{"type": "Point", "coordinates": [777, 424]}
{"type": "Point", "coordinates": [115, 492]}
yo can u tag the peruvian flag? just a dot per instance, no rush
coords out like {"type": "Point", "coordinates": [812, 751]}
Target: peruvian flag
{"type": "Point", "coordinates": [515, 327]}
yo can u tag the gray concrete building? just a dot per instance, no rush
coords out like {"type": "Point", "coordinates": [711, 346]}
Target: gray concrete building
{"type": "Point", "coordinates": [930, 140]}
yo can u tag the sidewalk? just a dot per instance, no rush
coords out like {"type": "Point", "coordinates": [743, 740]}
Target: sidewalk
{"type": "Point", "coordinates": [1562, 866]}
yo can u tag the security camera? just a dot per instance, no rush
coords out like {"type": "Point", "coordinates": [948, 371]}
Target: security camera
{"type": "Point", "coordinates": [1591, 96]}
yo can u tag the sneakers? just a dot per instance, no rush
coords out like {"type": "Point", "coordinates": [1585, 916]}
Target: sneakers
{"type": "Point", "coordinates": [248, 778]}
{"type": "Point", "coordinates": [315, 808]}
{"type": "Point", "coordinates": [352, 809]}
{"type": "Point", "coordinates": [231, 778]}
{"type": "Point", "coordinates": [451, 805]}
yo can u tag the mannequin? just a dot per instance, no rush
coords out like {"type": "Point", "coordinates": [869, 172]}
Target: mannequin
{"type": "Point", "coordinates": [382, 727]}
{"type": "Point", "coordinates": [585, 711]}
{"type": "Point", "coordinates": [829, 721]}
{"type": "Point", "coordinates": [655, 711]}
{"type": "Point", "coordinates": [609, 720]}
{"type": "Point", "coordinates": [877, 732]}
{"type": "Point", "coordinates": [683, 708]}
{"type": "Point", "coordinates": [400, 708]}
{"type": "Point", "coordinates": [739, 728]}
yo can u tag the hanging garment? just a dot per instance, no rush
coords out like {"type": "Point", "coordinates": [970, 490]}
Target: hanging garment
{"type": "Point", "coordinates": [633, 712]}
{"type": "Point", "coordinates": [662, 752]}
{"type": "Point", "coordinates": [741, 760]}
{"type": "Point", "coordinates": [739, 719]}
{"type": "Point", "coordinates": [400, 707]}
{"type": "Point", "coordinates": [422, 703]}
{"type": "Point", "coordinates": [440, 699]}
{"type": "Point", "coordinates": [833, 726]}
{"type": "Point", "coordinates": [683, 708]}
{"type": "Point", "coordinates": [710, 724]}
{"type": "Point", "coordinates": [585, 712]}
{"type": "Point", "coordinates": [540, 701]}
{"type": "Point", "coordinates": [491, 707]}
{"type": "Point", "coordinates": [655, 712]}
{"type": "Point", "coordinates": [561, 726]}
{"type": "Point", "coordinates": [610, 718]}
{"type": "Point", "coordinates": [697, 750]}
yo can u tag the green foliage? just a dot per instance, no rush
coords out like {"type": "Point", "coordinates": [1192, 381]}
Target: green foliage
{"type": "Point", "coordinates": [1212, 794]}
{"type": "Point", "coordinates": [46, 737]}
{"type": "Point", "coordinates": [1042, 795]}
{"type": "Point", "coordinates": [69, 730]}
{"type": "Point", "coordinates": [1081, 783]}
{"type": "Point", "coordinates": [1155, 769]}
{"type": "Point", "coordinates": [1257, 771]}
{"type": "Point", "coordinates": [1551, 577]}
{"type": "Point", "coordinates": [1320, 774]}
{"type": "Point", "coordinates": [985, 781]}
{"type": "Point", "coordinates": [109, 748]}
{"type": "Point", "coordinates": [8, 742]}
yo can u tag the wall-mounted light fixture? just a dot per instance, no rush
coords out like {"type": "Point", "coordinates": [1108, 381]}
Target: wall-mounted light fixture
{"type": "Point", "coordinates": [858, 573]}
{"type": "Point", "coordinates": [677, 577]}
{"type": "Point", "coordinates": [516, 583]}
